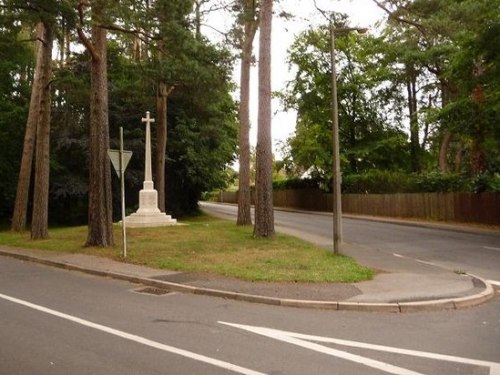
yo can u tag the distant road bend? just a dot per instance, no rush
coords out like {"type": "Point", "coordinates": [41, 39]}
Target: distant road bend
{"type": "Point", "coordinates": [475, 251]}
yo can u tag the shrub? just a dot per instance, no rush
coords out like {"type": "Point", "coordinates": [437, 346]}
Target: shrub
{"type": "Point", "coordinates": [486, 182]}
{"type": "Point", "coordinates": [441, 183]}
{"type": "Point", "coordinates": [376, 182]}
{"type": "Point", "coordinates": [390, 182]}
{"type": "Point", "coordinates": [296, 183]}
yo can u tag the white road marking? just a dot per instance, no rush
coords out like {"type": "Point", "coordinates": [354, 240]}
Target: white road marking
{"type": "Point", "coordinates": [303, 340]}
{"type": "Point", "coordinates": [491, 248]}
{"type": "Point", "coordinates": [135, 338]}
{"type": "Point", "coordinates": [494, 282]}
{"type": "Point", "coordinates": [416, 260]}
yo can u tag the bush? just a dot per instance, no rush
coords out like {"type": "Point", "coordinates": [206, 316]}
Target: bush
{"type": "Point", "coordinates": [296, 183]}
{"type": "Point", "coordinates": [441, 183]}
{"type": "Point", "coordinates": [390, 182]}
{"type": "Point", "coordinates": [486, 182]}
{"type": "Point", "coordinates": [376, 182]}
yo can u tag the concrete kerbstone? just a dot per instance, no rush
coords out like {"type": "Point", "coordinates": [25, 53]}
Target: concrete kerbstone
{"type": "Point", "coordinates": [329, 305]}
{"type": "Point", "coordinates": [403, 307]}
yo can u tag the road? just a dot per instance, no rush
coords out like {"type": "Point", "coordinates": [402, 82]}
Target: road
{"type": "Point", "coordinates": [54, 321]}
{"type": "Point", "coordinates": [475, 252]}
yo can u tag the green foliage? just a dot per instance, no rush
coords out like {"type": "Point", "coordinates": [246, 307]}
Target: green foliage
{"type": "Point", "coordinates": [296, 183]}
{"type": "Point", "coordinates": [392, 182]}
{"type": "Point", "coordinates": [486, 182]}
{"type": "Point", "coordinates": [376, 182]}
{"type": "Point", "coordinates": [202, 132]}
{"type": "Point", "coordinates": [201, 120]}
{"type": "Point", "coordinates": [444, 58]}
{"type": "Point", "coordinates": [441, 183]}
{"type": "Point", "coordinates": [212, 246]}
{"type": "Point", "coordinates": [367, 139]}
{"type": "Point", "coordinates": [384, 182]}
{"type": "Point", "coordinates": [16, 62]}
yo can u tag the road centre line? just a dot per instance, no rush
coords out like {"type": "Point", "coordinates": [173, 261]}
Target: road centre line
{"type": "Point", "coordinates": [135, 338]}
{"type": "Point", "coordinates": [416, 260]}
{"type": "Point", "coordinates": [303, 341]}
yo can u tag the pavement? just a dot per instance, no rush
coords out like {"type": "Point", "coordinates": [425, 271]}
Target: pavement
{"type": "Point", "coordinates": [400, 285]}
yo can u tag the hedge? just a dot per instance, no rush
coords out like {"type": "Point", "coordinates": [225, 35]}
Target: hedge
{"type": "Point", "coordinates": [387, 182]}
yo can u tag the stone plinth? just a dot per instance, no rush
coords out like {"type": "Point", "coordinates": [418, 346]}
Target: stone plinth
{"type": "Point", "coordinates": [159, 219]}
{"type": "Point", "coordinates": [148, 214]}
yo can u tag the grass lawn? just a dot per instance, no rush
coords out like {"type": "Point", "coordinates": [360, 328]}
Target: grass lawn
{"type": "Point", "coordinates": [209, 245]}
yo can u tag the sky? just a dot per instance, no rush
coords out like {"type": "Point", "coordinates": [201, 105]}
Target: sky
{"type": "Point", "coordinates": [362, 13]}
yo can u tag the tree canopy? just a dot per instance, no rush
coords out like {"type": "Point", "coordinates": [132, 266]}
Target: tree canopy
{"type": "Point", "coordinates": [421, 96]}
{"type": "Point", "coordinates": [147, 42]}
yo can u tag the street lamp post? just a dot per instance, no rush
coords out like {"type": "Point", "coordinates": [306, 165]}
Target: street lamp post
{"type": "Point", "coordinates": [337, 200]}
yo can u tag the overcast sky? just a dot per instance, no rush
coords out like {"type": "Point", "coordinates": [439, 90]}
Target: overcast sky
{"type": "Point", "coordinates": [362, 13]}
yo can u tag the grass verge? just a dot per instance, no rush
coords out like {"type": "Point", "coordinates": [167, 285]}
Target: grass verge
{"type": "Point", "coordinates": [209, 245]}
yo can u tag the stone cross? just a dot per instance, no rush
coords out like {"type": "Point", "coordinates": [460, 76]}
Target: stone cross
{"type": "Point", "coordinates": [148, 214]}
{"type": "Point", "coordinates": [148, 176]}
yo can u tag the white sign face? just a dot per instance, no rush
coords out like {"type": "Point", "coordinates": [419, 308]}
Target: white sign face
{"type": "Point", "coordinates": [114, 155]}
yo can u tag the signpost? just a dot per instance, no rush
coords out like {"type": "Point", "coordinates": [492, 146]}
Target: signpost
{"type": "Point", "coordinates": [120, 159]}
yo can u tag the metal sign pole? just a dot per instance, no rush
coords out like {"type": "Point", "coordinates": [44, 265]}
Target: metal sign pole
{"type": "Point", "coordinates": [122, 184]}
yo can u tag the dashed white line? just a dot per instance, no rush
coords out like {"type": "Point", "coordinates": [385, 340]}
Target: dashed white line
{"type": "Point", "coordinates": [135, 338]}
{"type": "Point", "coordinates": [416, 260]}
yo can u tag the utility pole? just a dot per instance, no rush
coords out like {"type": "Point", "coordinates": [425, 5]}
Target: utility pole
{"type": "Point", "coordinates": [337, 179]}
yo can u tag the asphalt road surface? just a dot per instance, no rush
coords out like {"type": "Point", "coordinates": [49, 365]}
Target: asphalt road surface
{"type": "Point", "coordinates": [54, 321]}
{"type": "Point", "coordinates": [476, 252]}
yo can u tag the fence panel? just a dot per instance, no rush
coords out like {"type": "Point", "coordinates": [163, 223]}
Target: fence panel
{"type": "Point", "coordinates": [481, 208]}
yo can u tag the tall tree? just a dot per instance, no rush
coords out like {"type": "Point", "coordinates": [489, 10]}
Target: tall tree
{"type": "Point", "coordinates": [264, 215]}
{"type": "Point", "coordinates": [250, 24]}
{"type": "Point", "coordinates": [100, 229]}
{"type": "Point", "coordinates": [39, 222]}
{"type": "Point", "coordinates": [19, 216]}
{"type": "Point", "coordinates": [172, 40]}
{"type": "Point", "coordinates": [447, 29]}
{"type": "Point", "coordinates": [370, 135]}
{"type": "Point", "coordinates": [17, 59]}
{"type": "Point", "coordinates": [162, 93]}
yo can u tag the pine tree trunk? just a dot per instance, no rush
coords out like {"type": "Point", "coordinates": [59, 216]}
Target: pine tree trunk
{"type": "Point", "coordinates": [19, 214]}
{"type": "Point", "coordinates": [161, 143]}
{"type": "Point", "coordinates": [264, 215]}
{"type": "Point", "coordinates": [100, 230]}
{"type": "Point", "coordinates": [448, 92]}
{"type": "Point", "coordinates": [39, 223]}
{"type": "Point", "coordinates": [244, 195]}
{"type": "Point", "coordinates": [443, 152]}
{"type": "Point", "coordinates": [414, 129]}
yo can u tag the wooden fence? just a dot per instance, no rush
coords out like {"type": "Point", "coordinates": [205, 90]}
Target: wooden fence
{"type": "Point", "coordinates": [483, 208]}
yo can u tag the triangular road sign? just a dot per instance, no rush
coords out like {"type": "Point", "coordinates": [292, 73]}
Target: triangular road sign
{"type": "Point", "coordinates": [114, 155]}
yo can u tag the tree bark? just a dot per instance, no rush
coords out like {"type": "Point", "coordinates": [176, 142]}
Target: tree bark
{"type": "Point", "coordinates": [264, 215]}
{"type": "Point", "coordinates": [39, 222]}
{"type": "Point", "coordinates": [447, 93]}
{"type": "Point", "coordinates": [414, 128]}
{"type": "Point", "coordinates": [19, 215]}
{"type": "Point", "coordinates": [161, 141]}
{"type": "Point", "coordinates": [244, 195]}
{"type": "Point", "coordinates": [443, 152]}
{"type": "Point", "coordinates": [100, 229]}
